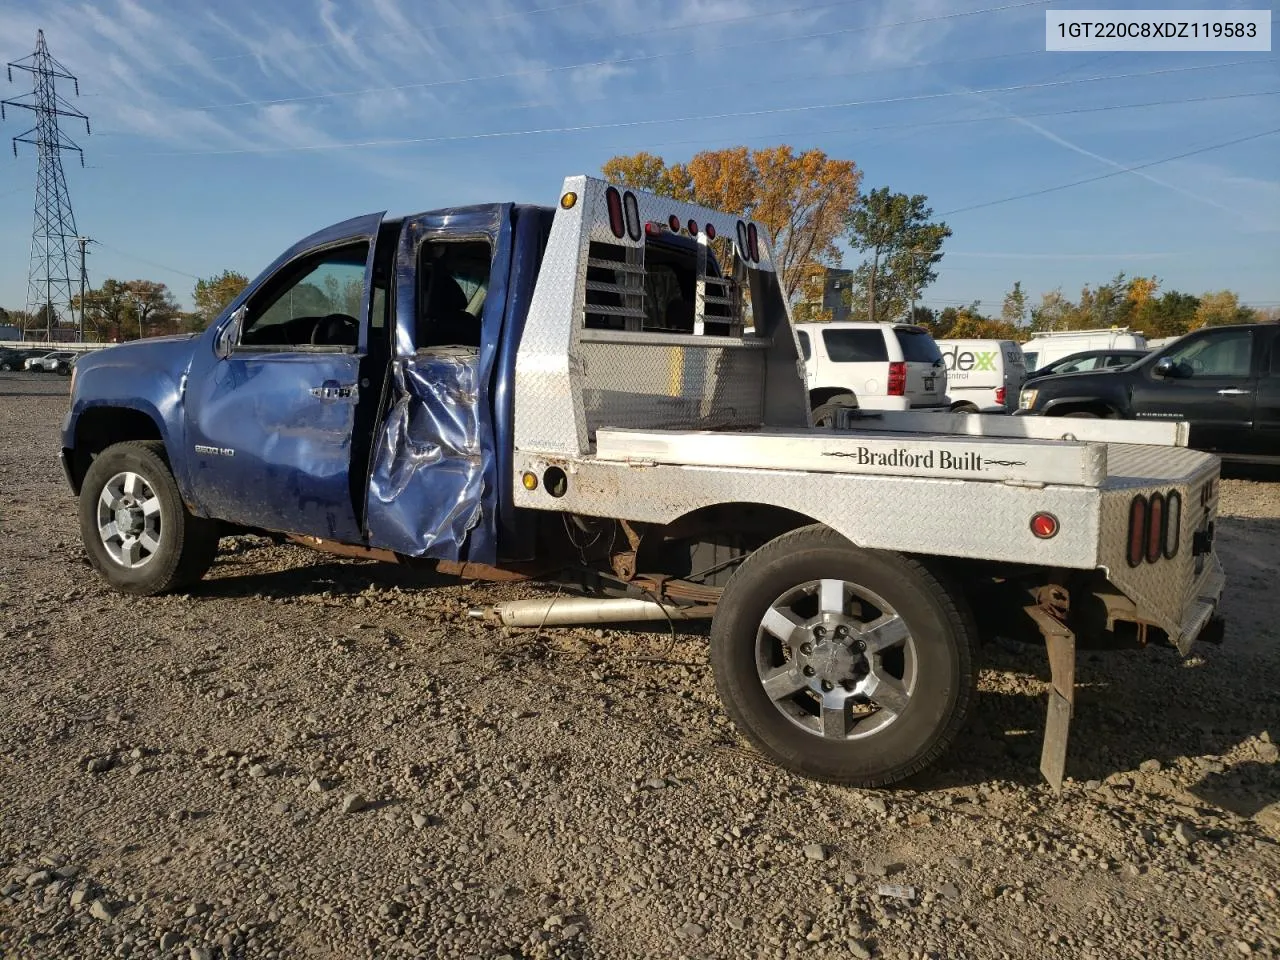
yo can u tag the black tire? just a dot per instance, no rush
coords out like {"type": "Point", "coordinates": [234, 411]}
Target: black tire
{"type": "Point", "coordinates": [187, 543]}
{"type": "Point", "coordinates": [1082, 415]}
{"type": "Point", "coordinates": [63, 370]}
{"type": "Point", "coordinates": [941, 631]}
{"type": "Point", "coordinates": [6, 367]}
{"type": "Point", "coordinates": [824, 414]}
{"type": "Point", "coordinates": [964, 408]}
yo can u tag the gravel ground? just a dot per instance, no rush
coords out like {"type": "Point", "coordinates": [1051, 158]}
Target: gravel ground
{"type": "Point", "coordinates": [310, 757]}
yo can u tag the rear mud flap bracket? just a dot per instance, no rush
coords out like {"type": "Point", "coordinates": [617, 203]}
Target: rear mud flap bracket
{"type": "Point", "coordinates": [1060, 643]}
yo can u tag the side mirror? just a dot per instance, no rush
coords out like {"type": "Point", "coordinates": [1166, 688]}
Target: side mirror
{"type": "Point", "coordinates": [1167, 367]}
{"type": "Point", "coordinates": [230, 333]}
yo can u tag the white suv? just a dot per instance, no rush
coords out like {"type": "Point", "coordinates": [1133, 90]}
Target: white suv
{"type": "Point", "coordinates": [56, 362]}
{"type": "Point", "coordinates": [874, 366]}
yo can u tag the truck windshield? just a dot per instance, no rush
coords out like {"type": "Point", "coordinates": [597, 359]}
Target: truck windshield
{"type": "Point", "coordinates": [917, 346]}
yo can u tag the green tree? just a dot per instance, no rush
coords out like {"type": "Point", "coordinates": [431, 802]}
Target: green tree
{"type": "Point", "coordinates": [1014, 310]}
{"type": "Point", "coordinates": [212, 295]}
{"type": "Point", "coordinates": [1055, 312]}
{"type": "Point", "coordinates": [902, 244]}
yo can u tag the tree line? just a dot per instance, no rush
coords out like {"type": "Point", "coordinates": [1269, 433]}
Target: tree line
{"type": "Point", "coordinates": [131, 309]}
{"type": "Point", "coordinates": [809, 202]}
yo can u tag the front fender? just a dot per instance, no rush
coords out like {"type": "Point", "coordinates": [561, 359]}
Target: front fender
{"type": "Point", "coordinates": [154, 389]}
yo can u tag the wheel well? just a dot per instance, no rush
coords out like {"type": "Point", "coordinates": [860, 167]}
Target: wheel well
{"type": "Point", "coordinates": [826, 394]}
{"type": "Point", "coordinates": [1098, 407]}
{"type": "Point", "coordinates": [714, 538]}
{"type": "Point", "coordinates": [99, 428]}
{"type": "Point", "coordinates": [961, 406]}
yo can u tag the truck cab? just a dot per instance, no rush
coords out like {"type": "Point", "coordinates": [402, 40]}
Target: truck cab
{"type": "Point", "coordinates": [1223, 382]}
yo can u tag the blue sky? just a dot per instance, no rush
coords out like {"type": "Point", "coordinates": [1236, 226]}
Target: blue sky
{"type": "Point", "coordinates": [222, 134]}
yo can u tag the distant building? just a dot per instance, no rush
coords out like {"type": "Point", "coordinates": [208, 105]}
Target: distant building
{"type": "Point", "coordinates": [835, 293]}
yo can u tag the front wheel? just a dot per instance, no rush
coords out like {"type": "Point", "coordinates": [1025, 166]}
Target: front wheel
{"type": "Point", "coordinates": [845, 665]}
{"type": "Point", "coordinates": [136, 530]}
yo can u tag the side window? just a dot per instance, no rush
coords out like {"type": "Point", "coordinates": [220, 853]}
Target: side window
{"type": "Point", "coordinates": [316, 301]}
{"type": "Point", "coordinates": [855, 346]}
{"type": "Point", "coordinates": [1084, 363]}
{"type": "Point", "coordinates": [806, 348]}
{"type": "Point", "coordinates": [453, 283]}
{"type": "Point", "coordinates": [1225, 354]}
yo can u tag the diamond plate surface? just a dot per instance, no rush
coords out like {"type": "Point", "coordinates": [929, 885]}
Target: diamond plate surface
{"type": "Point", "coordinates": [1165, 590]}
{"type": "Point", "coordinates": [570, 381]}
{"type": "Point", "coordinates": [1140, 465]}
{"type": "Point", "coordinates": [956, 518]}
{"type": "Point", "coordinates": [642, 385]}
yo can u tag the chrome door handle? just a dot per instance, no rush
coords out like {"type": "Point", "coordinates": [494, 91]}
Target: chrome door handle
{"type": "Point", "coordinates": [1232, 392]}
{"type": "Point", "coordinates": [332, 390]}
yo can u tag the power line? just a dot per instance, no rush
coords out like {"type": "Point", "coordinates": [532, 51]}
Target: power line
{"type": "Point", "coordinates": [623, 124]}
{"type": "Point", "coordinates": [150, 263]}
{"type": "Point", "coordinates": [1113, 173]}
{"type": "Point", "coordinates": [617, 61]}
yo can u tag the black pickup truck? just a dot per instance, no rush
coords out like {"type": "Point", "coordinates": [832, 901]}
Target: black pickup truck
{"type": "Point", "coordinates": [1224, 381]}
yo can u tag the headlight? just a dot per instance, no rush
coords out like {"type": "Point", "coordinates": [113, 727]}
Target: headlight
{"type": "Point", "coordinates": [1027, 399]}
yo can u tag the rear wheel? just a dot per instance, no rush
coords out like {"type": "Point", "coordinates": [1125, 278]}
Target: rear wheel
{"type": "Point", "coordinates": [136, 530]}
{"type": "Point", "coordinates": [846, 665]}
{"type": "Point", "coordinates": [1082, 415]}
{"type": "Point", "coordinates": [964, 408]}
{"type": "Point", "coordinates": [828, 414]}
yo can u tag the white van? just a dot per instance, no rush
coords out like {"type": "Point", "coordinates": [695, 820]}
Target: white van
{"type": "Point", "coordinates": [1044, 348]}
{"type": "Point", "coordinates": [873, 366]}
{"type": "Point", "coordinates": [983, 376]}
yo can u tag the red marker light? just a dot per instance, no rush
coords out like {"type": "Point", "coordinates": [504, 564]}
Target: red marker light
{"type": "Point", "coordinates": [674, 223]}
{"type": "Point", "coordinates": [1044, 525]}
{"type": "Point", "coordinates": [693, 228]}
{"type": "Point", "coordinates": [711, 231]}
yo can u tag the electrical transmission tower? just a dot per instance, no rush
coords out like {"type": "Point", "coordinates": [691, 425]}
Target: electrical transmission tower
{"type": "Point", "coordinates": [55, 260]}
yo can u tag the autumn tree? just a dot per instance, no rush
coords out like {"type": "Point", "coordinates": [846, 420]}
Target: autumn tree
{"type": "Point", "coordinates": [644, 171]}
{"type": "Point", "coordinates": [212, 296]}
{"type": "Point", "coordinates": [1220, 308]}
{"type": "Point", "coordinates": [802, 199]}
{"type": "Point", "coordinates": [902, 245]}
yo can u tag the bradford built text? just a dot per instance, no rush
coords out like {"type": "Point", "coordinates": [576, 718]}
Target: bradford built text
{"type": "Point", "coordinates": [919, 459]}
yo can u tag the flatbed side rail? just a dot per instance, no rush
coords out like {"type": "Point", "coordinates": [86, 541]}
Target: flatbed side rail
{"type": "Point", "coordinates": [1161, 434]}
{"type": "Point", "coordinates": [993, 460]}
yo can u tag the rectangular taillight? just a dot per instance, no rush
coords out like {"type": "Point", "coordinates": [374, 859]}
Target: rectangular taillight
{"type": "Point", "coordinates": [1000, 396]}
{"type": "Point", "coordinates": [897, 379]}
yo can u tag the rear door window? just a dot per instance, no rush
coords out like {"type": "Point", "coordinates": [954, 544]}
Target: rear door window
{"type": "Point", "coordinates": [805, 347]}
{"type": "Point", "coordinates": [855, 346]}
{"type": "Point", "coordinates": [918, 346]}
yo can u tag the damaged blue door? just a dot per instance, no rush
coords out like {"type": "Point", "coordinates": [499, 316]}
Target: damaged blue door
{"type": "Point", "coordinates": [433, 486]}
{"type": "Point", "coordinates": [271, 403]}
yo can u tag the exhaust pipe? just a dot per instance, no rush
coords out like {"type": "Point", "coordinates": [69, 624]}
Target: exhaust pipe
{"type": "Point", "coordinates": [580, 611]}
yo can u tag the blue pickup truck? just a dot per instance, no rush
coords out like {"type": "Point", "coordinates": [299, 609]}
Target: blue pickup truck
{"type": "Point", "coordinates": [608, 394]}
